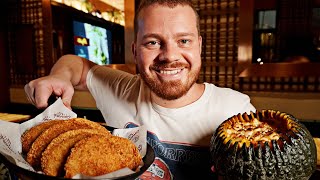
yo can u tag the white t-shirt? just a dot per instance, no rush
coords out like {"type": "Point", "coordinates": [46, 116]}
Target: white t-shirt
{"type": "Point", "coordinates": [179, 136]}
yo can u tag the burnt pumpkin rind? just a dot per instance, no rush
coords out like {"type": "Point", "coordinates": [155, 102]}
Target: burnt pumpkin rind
{"type": "Point", "coordinates": [267, 144]}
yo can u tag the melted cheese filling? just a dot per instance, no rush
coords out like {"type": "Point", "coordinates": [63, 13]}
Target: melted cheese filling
{"type": "Point", "coordinates": [253, 131]}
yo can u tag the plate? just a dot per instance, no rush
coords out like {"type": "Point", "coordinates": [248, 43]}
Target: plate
{"type": "Point", "coordinates": [30, 175]}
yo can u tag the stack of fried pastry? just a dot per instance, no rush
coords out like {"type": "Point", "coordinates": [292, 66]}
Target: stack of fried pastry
{"type": "Point", "coordinates": [77, 146]}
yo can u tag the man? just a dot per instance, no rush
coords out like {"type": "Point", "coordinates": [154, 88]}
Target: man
{"type": "Point", "coordinates": [180, 114]}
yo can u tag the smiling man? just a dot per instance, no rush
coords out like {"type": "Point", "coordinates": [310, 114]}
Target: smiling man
{"type": "Point", "coordinates": [167, 51]}
{"type": "Point", "coordinates": [180, 114]}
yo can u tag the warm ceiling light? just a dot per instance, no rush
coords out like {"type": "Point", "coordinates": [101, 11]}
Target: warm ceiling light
{"type": "Point", "coordinates": [118, 4]}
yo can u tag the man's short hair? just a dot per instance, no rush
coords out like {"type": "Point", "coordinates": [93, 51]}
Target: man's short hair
{"type": "Point", "coordinates": [170, 3]}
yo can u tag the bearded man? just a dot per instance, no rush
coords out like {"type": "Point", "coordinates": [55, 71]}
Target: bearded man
{"type": "Point", "coordinates": [180, 114]}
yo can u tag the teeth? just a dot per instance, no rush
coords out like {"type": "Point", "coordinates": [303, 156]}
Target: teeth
{"type": "Point", "coordinates": [170, 72]}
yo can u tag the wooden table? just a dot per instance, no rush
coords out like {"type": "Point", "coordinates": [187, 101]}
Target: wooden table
{"type": "Point", "coordinates": [14, 117]}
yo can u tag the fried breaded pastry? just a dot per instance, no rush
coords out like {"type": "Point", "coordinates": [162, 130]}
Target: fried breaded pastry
{"type": "Point", "coordinates": [55, 155]}
{"type": "Point", "coordinates": [29, 136]}
{"type": "Point", "coordinates": [39, 145]}
{"type": "Point", "coordinates": [99, 155]}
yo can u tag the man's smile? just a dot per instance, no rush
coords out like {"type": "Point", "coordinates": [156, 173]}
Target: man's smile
{"type": "Point", "coordinates": [170, 72]}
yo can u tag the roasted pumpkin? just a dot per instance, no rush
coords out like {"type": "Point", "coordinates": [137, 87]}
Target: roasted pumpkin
{"type": "Point", "coordinates": [266, 144]}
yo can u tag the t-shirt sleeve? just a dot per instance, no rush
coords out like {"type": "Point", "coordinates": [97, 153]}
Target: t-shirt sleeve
{"type": "Point", "coordinates": [234, 102]}
{"type": "Point", "coordinates": [247, 105]}
{"type": "Point", "coordinates": [109, 85]}
{"type": "Point", "coordinates": [242, 103]}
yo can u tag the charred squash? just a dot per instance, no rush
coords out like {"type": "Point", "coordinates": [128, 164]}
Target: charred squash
{"type": "Point", "coordinates": [266, 144]}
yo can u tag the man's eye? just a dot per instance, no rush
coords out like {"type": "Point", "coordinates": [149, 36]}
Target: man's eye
{"type": "Point", "coordinates": [185, 41]}
{"type": "Point", "coordinates": [152, 43]}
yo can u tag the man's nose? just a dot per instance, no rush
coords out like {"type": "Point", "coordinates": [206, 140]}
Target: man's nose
{"type": "Point", "coordinates": [170, 52]}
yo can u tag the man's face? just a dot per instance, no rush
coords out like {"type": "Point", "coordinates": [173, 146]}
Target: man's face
{"type": "Point", "coordinates": [168, 50]}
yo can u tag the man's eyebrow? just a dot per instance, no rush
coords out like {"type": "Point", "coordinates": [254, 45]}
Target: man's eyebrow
{"type": "Point", "coordinates": [153, 35]}
{"type": "Point", "coordinates": [185, 34]}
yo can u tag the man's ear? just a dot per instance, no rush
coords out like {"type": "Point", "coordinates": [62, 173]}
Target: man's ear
{"type": "Point", "coordinates": [200, 43]}
{"type": "Point", "coordinates": [134, 51]}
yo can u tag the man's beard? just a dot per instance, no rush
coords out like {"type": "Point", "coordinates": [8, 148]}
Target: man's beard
{"type": "Point", "coordinates": [170, 90]}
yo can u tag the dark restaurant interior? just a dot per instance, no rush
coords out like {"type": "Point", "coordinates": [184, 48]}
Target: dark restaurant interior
{"type": "Point", "coordinates": [269, 50]}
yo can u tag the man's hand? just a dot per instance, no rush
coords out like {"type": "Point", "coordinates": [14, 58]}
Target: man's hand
{"type": "Point", "coordinates": [69, 72]}
{"type": "Point", "coordinates": [39, 90]}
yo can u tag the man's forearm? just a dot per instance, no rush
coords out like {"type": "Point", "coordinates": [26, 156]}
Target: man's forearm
{"type": "Point", "coordinates": [72, 68]}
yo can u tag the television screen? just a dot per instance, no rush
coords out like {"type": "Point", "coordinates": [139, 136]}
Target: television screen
{"type": "Point", "coordinates": [92, 42]}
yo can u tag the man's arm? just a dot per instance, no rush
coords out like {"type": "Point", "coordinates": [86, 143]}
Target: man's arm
{"type": "Point", "coordinates": [74, 69]}
{"type": "Point", "coordinates": [68, 73]}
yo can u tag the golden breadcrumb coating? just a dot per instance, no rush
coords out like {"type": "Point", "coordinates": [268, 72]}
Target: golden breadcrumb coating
{"type": "Point", "coordinates": [56, 153]}
{"type": "Point", "coordinates": [98, 155]}
{"type": "Point", "coordinates": [43, 140]}
{"type": "Point", "coordinates": [29, 136]}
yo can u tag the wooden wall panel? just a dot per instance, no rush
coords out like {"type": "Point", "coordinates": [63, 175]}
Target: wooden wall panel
{"type": "Point", "coordinates": [28, 58]}
{"type": "Point", "coordinates": [219, 27]}
{"type": "Point", "coordinates": [227, 31]}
